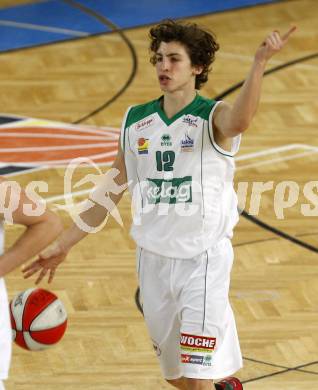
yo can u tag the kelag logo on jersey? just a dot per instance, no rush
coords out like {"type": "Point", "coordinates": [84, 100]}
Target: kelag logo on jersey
{"type": "Point", "coordinates": [177, 190]}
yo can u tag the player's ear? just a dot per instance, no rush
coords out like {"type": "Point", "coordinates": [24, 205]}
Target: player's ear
{"type": "Point", "coordinates": [197, 69]}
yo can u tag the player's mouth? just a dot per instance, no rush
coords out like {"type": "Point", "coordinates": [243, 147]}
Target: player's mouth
{"type": "Point", "coordinates": [164, 80]}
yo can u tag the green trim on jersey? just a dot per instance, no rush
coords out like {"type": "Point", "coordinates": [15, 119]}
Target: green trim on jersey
{"type": "Point", "coordinates": [124, 141]}
{"type": "Point", "coordinates": [137, 113]}
{"type": "Point", "coordinates": [201, 173]}
{"type": "Point", "coordinates": [223, 153]}
{"type": "Point", "coordinates": [200, 106]}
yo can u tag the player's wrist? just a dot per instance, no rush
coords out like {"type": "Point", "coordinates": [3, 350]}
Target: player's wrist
{"type": "Point", "coordinates": [260, 63]}
{"type": "Point", "coordinates": [69, 238]}
{"type": "Point", "coordinates": [64, 243]}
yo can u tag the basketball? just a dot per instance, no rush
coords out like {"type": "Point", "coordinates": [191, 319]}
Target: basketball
{"type": "Point", "coordinates": [38, 319]}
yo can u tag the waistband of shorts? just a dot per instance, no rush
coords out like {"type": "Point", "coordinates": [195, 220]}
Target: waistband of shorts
{"type": "Point", "coordinates": [224, 241]}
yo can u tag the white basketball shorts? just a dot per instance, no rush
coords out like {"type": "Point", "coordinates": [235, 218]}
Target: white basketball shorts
{"type": "Point", "coordinates": [188, 314]}
{"type": "Point", "coordinates": [5, 333]}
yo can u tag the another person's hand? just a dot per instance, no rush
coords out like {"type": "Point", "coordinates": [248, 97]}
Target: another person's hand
{"type": "Point", "coordinates": [47, 262]}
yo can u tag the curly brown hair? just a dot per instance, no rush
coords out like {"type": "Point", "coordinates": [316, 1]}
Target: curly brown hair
{"type": "Point", "coordinates": [200, 44]}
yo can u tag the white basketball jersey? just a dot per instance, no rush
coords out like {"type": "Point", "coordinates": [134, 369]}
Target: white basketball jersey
{"type": "Point", "coordinates": [180, 180]}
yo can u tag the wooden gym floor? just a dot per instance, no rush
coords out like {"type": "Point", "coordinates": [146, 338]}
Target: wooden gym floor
{"type": "Point", "coordinates": [274, 290]}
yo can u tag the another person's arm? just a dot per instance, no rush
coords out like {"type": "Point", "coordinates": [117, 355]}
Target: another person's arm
{"type": "Point", "coordinates": [49, 259]}
{"type": "Point", "coordinates": [40, 230]}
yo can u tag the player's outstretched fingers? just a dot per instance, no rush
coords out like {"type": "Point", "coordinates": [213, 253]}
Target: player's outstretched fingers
{"type": "Point", "coordinates": [51, 276]}
{"type": "Point", "coordinates": [41, 275]}
{"type": "Point", "coordinates": [286, 36]}
{"type": "Point", "coordinates": [31, 269]}
{"type": "Point", "coordinates": [277, 39]}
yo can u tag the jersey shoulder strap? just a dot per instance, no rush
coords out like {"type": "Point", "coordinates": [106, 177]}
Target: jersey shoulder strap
{"type": "Point", "coordinates": [203, 107]}
{"type": "Point", "coordinates": [138, 113]}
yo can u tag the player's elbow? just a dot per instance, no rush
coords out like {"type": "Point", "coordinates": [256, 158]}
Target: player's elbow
{"type": "Point", "coordinates": [52, 224]}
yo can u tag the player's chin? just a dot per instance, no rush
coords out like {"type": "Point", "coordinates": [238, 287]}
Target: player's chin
{"type": "Point", "coordinates": [164, 88]}
{"type": "Point", "coordinates": [169, 89]}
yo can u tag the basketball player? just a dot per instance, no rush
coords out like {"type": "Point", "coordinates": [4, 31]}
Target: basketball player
{"type": "Point", "coordinates": [40, 231]}
{"type": "Point", "coordinates": [177, 154]}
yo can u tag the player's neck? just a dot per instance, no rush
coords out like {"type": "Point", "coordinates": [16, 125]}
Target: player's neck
{"type": "Point", "coordinates": [174, 102]}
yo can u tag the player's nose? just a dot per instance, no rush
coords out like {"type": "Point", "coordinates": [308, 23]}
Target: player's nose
{"type": "Point", "coordinates": [165, 64]}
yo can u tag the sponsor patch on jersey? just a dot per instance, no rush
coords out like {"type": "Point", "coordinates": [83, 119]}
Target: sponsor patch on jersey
{"type": "Point", "coordinates": [193, 343]}
{"type": "Point", "coordinates": [143, 145]}
{"type": "Point", "coordinates": [196, 359]}
{"type": "Point", "coordinates": [176, 190]}
{"type": "Point", "coordinates": [144, 123]}
{"type": "Point", "coordinates": [166, 140]}
{"type": "Point", "coordinates": [191, 120]}
{"type": "Point", "coordinates": [187, 144]}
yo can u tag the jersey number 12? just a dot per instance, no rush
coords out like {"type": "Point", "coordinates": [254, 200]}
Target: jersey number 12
{"type": "Point", "coordinates": [165, 160]}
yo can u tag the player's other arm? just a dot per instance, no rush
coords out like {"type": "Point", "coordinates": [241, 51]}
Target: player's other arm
{"type": "Point", "coordinates": [229, 120]}
{"type": "Point", "coordinates": [49, 259]}
{"type": "Point", "coordinates": [40, 230]}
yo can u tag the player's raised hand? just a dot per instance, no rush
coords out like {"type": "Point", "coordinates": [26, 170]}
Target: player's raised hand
{"type": "Point", "coordinates": [47, 262]}
{"type": "Point", "coordinates": [273, 43]}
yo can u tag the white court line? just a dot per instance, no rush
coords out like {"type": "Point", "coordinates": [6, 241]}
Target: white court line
{"type": "Point", "coordinates": [59, 126]}
{"type": "Point", "coordinates": [56, 148]}
{"type": "Point", "coordinates": [110, 134]}
{"type": "Point", "coordinates": [56, 136]}
{"type": "Point", "coordinates": [70, 195]}
{"type": "Point", "coordinates": [68, 163]}
{"type": "Point", "coordinates": [110, 128]}
{"type": "Point", "coordinates": [275, 150]}
{"type": "Point", "coordinates": [39, 27]}
{"type": "Point", "coordinates": [278, 159]}
{"type": "Point", "coordinates": [51, 199]}
{"type": "Point", "coordinates": [104, 164]}
{"type": "Point", "coordinates": [47, 167]}
{"type": "Point", "coordinates": [53, 163]}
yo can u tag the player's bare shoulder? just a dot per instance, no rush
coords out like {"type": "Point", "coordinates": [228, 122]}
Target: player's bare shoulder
{"type": "Point", "coordinates": [219, 118]}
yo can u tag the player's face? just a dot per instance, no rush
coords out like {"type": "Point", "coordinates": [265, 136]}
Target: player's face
{"type": "Point", "coordinates": [174, 69]}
